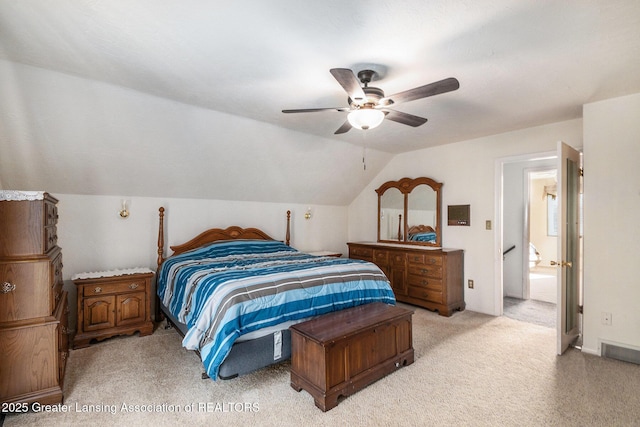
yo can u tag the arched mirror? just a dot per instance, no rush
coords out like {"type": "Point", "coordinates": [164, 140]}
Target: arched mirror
{"type": "Point", "coordinates": [409, 212]}
{"type": "Point", "coordinates": [391, 226]}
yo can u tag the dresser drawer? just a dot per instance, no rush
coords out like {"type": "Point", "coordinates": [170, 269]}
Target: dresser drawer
{"type": "Point", "coordinates": [113, 287]}
{"type": "Point", "coordinates": [56, 294]}
{"type": "Point", "coordinates": [426, 294]}
{"type": "Point", "coordinates": [25, 290]}
{"type": "Point", "coordinates": [361, 253]}
{"type": "Point", "coordinates": [57, 282]}
{"type": "Point", "coordinates": [424, 282]}
{"type": "Point", "coordinates": [50, 238]}
{"type": "Point", "coordinates": [381, 257]}
{"type": "Point", "coordinates": [397, 259]}
{"type": "Point", "coordinates": [426, 259]}
{"type": "Point", "coordinates": [51, 213]}
{"type": "Point", "coordinates": [28, 227]}
{"type": "Point", "coordinates": [425, 270]}
{"type": "Point", "coordinates": [56, 269]}
{"type": "Point", "coordinates": [62, 316]}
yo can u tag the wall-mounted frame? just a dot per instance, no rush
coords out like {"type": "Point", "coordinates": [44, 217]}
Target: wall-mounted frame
{"type": "Point", "coordinates": [459, 215]}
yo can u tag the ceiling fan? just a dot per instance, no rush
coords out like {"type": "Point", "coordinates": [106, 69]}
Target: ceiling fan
{"type": "Point", "coordinates": [368, 106]}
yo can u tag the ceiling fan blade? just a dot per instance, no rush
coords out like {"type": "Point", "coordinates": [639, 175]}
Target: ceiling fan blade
{"type": "Point", "coordinates": [350, 84]}
{"type": "Point", "coordinates": [314, 110]}
{"type": "Point", "coordinates": [405, 118]}
{"type": "Point", "coordinates": [435, 88]}
{"type": "Point", "coordinates": [346, 126]}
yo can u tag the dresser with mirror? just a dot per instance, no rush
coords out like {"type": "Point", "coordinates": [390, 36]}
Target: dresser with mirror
{"type": "Point", "coordinates": [409, 246]}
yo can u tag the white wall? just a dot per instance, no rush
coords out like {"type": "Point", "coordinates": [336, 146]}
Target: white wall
{"type": "Point", "coordinates": [612, 234]}
{"type": "Point", "coordinates": [467, 171]}
{"type": "Point", "coordinates": [93, 237]}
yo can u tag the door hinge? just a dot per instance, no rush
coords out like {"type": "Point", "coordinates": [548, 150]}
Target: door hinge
{"type": "Point", "coordinates": [581, 171]}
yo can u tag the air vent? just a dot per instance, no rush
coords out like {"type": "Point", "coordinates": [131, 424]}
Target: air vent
{"type": "Point", "coordinates": [617, 352]}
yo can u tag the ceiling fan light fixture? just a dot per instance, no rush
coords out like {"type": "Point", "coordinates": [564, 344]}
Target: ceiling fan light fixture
{"type": "Point", "coordinates": [365, 118]}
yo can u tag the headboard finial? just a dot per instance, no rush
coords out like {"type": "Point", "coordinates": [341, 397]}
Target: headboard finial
{"type": "Point", "coordinates": [160, 236]}
{"type": "Point", "coordinates": [288, 235]}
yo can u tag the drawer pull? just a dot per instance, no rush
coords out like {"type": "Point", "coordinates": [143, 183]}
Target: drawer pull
{"type": "Point", "coordinates": [133, 286]}
{"type": "Point", "coordinates": [7, 287]}
{"type": "Point", "coordinates": [97, 290]}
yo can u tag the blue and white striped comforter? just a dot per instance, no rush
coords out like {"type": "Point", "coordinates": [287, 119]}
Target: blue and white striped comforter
{"type": "Point", "coordinates": [226, 289]}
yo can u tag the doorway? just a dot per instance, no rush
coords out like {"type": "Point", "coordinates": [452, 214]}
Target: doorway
{"type": "Point", "coordinates": [568, 162]}
{"type": "Point", "coordinates": [529, 285]}
{"type": "Point", "coordinates": [542, 207]}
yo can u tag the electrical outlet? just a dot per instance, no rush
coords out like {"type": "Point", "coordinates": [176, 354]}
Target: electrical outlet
{"type": "Point", "coordinates": [470, 283]}
{"type": "Point", "coordinates": [487, 224]}
{"type": "Point", "coordinates": [606, 318]}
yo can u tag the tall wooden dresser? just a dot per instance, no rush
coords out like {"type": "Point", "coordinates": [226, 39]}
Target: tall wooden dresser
{"type": "Point", "coordinates": [426, 277]}
{"type": "Point", "coordinates": [33, 306]}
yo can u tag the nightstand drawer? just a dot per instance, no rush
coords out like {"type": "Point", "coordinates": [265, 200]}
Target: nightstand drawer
{"type": "Point", "coordinates": [114, 287]}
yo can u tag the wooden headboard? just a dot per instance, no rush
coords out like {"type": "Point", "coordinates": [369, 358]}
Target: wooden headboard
{"type": "Point", "coordinates": [214, 234]}
{"type": "Point", "coordinates": [421, 229]}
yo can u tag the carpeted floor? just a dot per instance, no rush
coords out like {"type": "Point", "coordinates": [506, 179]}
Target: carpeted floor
{"type": "Point", "coordinates": [532, 311]}
{"type": "Point", "coordinates": [470, 370]}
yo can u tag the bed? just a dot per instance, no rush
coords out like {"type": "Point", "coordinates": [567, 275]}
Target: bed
{"type": "Point", "coordinates": [233, 293]}
{"type": "Point", "coordinates": [422, 233]}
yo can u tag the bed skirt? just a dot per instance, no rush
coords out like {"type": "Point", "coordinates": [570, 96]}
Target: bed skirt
{"type": "Point", "coordinates": [246, 356]}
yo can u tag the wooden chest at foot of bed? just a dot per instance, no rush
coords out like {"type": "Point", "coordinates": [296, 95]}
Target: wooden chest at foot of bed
{"type": "Point", "coordinates": [342, 352]}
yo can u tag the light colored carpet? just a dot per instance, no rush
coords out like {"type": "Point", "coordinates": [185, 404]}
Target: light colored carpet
{"type": "Point", "coordinates": [532, 311]}
{"type": "Point", "coordinates": [470, 370]}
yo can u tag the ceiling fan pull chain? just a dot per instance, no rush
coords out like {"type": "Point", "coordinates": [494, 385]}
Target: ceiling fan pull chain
{"type": "Point", "coordinates": [364, 154]}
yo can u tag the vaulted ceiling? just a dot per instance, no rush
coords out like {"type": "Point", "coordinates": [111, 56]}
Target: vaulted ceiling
{"type": "Point", "coordinates": [184, 99]}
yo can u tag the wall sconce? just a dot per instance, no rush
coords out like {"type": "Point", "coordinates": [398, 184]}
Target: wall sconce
{"type": "Point", "coordinates": [124, 213]}
{"type": "Point", "coordinates": [307, 214]}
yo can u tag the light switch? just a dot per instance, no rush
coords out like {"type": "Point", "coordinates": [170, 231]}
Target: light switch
{"type": "Point", "coordinates": [487, 224]}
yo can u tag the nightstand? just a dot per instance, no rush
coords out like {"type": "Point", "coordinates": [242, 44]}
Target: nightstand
{"type": "Point", "coordinates": [326, 253]}
{"type": "Point", "coordinates": [113, 303]}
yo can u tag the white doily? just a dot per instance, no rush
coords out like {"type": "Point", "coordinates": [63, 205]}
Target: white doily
{"type": "Point", "coordinates": [110, 273]}
{"type": "Point", "coordinates": [9, 195]}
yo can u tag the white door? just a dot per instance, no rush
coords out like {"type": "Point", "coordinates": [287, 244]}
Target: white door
{"type": "Point", "coordinates": [569, 255]}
